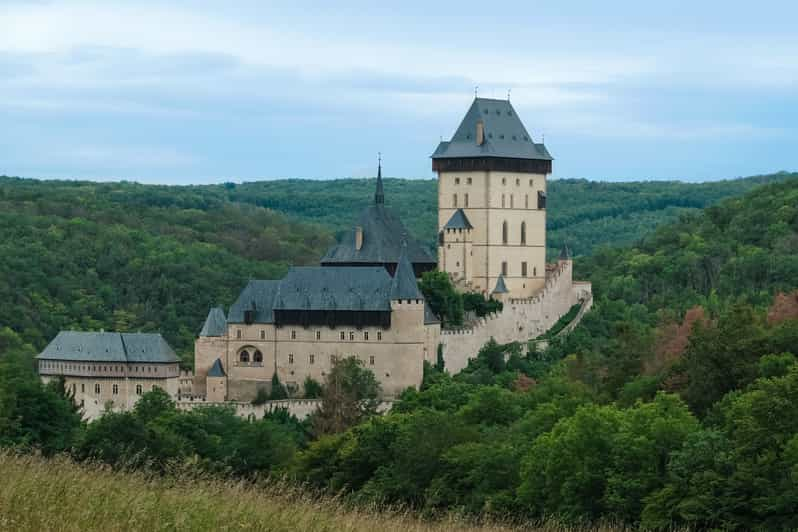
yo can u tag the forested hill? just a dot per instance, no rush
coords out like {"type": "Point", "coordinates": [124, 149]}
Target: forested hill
{"type": "Point", "coordinates": [126, 256]}
{"type": "Point", "coordinates": [583, 213]}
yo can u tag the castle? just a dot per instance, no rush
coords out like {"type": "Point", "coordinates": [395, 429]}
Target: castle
{"type": "Point", "coordinates": [363, 299]}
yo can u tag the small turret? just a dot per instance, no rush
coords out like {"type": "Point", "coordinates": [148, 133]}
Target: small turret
{"type": "Point", "coordinates": [379, 195]}
{"type": "Point", "coordinates": [403, 285]}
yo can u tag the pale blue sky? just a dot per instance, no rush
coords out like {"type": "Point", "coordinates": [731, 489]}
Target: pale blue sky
{"type": "Point", "coordinates": [200, 92]}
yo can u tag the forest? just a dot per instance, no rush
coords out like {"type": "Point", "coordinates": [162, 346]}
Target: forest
{"type": "Point", "coordinates": [125, 256]}
{"type": "Point", "coordinates": [674, 404]}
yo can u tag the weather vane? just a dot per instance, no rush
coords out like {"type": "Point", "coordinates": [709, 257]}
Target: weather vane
{"type": "Point", "coordinates": [508, 94]}
{"type": "Point", "coordinates": [476, 90]}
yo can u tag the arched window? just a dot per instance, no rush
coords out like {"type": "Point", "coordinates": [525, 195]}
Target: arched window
{"type": "Point", "coordinates": [523, 232]}
{"type": "Point", "coordinates": [244, 356]}
{"type": "Point", "coordinates": [504, 232]}
{"type": "Point", "coordinates": [257, 357]}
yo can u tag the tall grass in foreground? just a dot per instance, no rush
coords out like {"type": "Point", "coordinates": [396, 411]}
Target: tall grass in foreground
{"type": "Point", "coordinates": [37, 494]}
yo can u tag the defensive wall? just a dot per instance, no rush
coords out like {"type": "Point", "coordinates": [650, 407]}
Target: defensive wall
{"type": "Point", "coordinates": [301, 408]}
{"type": "Point", "coordinates": [521, 320]}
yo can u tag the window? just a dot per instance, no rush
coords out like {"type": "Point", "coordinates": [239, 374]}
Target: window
{"type": "Point", "coordinates": [523, 269]}
{"type": "Point", "coordinates": [456, 180]}
{"type": "Point", "coordinates": [115, 389]}
{"type": "Point", "coordinates": [318, 335]}
{"type": "Point", "coordinates": [511, 201]}
{"type": "Point", "coordinates": [379, 335]}
{"type": "Point", "coordinates": [504, 181]}
{"type": "Point", "coordinates": [535, 271]}
{"type": "Point", "coordinates": [504, 232]}
{"type": "Point", "coordinates": [504, 268]}
{"type": "Point", "coordinates": [541, 199]}
{"type": "Point", "coordinates": [531, 182]}
{"type": "Point", "coordinates": [244, 356]}
{"type": "Point", "coordinates": [502, 201]}
{"type": "Point", "coordinates": [257, 356]}
{"type": "Point", "coordinates": [517, 182]}
{"type": "Point", "coordinates": [82, 388]}
{"type": "Point", "coordinates": [138, 389]}
{"type": "Point", "coordinates": [97, 389]}
{"type": "Point", "coordinates": [262, 334]}
{"type": "Point", "coordinates": [351, 335]}
{"type": "Point", "coordinates": [523, 232]}
{"type": "Point", "coordinates": [293, 335]}
{"type": "Point", "coordinates": [333, 360]}
{"type": "Point", "coordinates": [526, 201]}
{"type": "Point", "coordinates": [312, 359]}
{"type": "Point", "coordinates": [238, 334]}
{"type": "Point", "coordinates": [290, 358]}
{"type": "Point", "coordinates": [365, 335]}
{"type": "Point", "coordinates": [454, 200]}
{"type": "Point", "coordinates": [343, 335]}
{"type": "Point", "coordinates": [371, 360]}
{"type": "Point", "coordinates": [465, 200]}
{"type": "Point", "coordinates": [468, 181]}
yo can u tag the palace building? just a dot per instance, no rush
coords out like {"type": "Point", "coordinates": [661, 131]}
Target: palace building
{"type": "Point", "coordinates": [492, 202]}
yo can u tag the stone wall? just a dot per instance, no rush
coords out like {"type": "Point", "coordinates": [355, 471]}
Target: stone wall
{"type": "Point", "coordinates": [301, 408]}
{"type": "Point", "coordinates": [521, 320]}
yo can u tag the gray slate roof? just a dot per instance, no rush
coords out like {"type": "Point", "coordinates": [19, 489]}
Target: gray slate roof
{"type": "Point", "coordinates": [459, 220]}
{"type": "Point", "coordinates": [403, 284]}
{"type": "Point", "coordinates": [501, 288]}
{"type": "Point", "coordinates": [258, 295]}
{"type": "Point", "coordinates": [383, 233]}
{"type": "Point", "coordinates": [505, 134]}
{"type": "Point", "coordinates": [215, 323]}
{"type": "Point", "coordinates": [565, 253]}
{"type": "Point", "coordinates": [109, 347]}
{"type": "Point", "coordinates": [216, 370]}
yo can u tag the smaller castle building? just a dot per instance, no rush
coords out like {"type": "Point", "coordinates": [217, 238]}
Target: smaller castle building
{"type": "Point", "coordinates": [110, 369]}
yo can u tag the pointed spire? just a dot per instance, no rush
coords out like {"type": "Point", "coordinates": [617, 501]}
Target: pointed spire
{"type": "Point", "coordinates": [404, 285]}
{"type": "Point", "coordinates": [215, 323]}
{"type": "Point", "coordinates": [501, 288]}
{"type": "Point", "coordinates": [379, 195]}
{"type": "Point", "coordinates": [565, 253]}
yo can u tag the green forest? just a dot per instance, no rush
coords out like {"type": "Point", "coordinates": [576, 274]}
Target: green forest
{"type": "Point", "coordinates": [125, 256]}
{"type": "Point", "coordinates": [674, 404]}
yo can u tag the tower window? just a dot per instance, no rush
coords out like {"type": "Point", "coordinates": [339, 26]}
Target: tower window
{"type": "Point", "coordinates": [504, 268]}
{"type": "Point", "coordinates": [312, 359]}
{"type": "Point", "coordinates": [343, 335]}
{"type": "Point", "coordinates": [511, 201]}
{"type": "Point", "coordinates": [238, 334]}
{"type": "Point", "coordinates": [257, 357]}
{"type": "Point", "coordinates": [526, 201]}
{"type": "Point", "coordinates": [523, 233]}
{"type": "Point", "coordinates": [138, 389]}
{"type": "Point", "coordinates": [293, 335]}
{"type": "Point", "coordinates": [115, 389]}
{"type": "Point", "coordinates": [318, 335]}
{"type": "Point", "coordinates": [504, 232]}
{"type": "Point", "coordinates": [379, 335]}
{"type": "Point", "coordinates": [454, 200]}
{"type": "Point", "coordinates": [371, 360]}
{"type": "Point", "coordinates": [517, 181]}
{"type": "Point", "coordinates": [456, 180]}
{"type": "Point", "coordinates": [541, 199]}
{"type": "Point", "coordinates": [535, 271]}
{"type": "Point", "coordinates": [290, 358]}
{"type": "Point", "coordinates": [365, 335]}
{"type": "Point", "coordinates": [465, 199]}
{"type": "Point", "coordinates": [352, 335]}
{"type": "Point", "coordinates": [523, 269]}
{"type": "Point", "coordinates": [244, 356]}
{"type": "Point", "coordinates": [97, 389]}
{"type": "Point", "coordinates": [502, 201]}
{"type": "Point", "coordinates": [262, 334]}
{"type": "Point", "coordinates": [504, 180]}
{"type": "Point", "coordinates": [468, 181]}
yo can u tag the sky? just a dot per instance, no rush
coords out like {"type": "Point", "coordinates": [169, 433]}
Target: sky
{"type": "Point", "coordinates": [204, 92]}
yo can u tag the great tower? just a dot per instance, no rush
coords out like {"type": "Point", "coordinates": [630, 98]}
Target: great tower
{"type": "Point", "coordinates": [492, 202]}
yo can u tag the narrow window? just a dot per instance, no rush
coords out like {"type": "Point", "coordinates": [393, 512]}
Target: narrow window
{"type": "Point", "coordinates": [523, 232]}
{"type": "Point", "coordinates": [526, 201]}
{"type": "Point", "coordinates": [365, 335]}
{"type": "Point", "coordinates": [312, 359]}
{"type": "Point", "coordinates": [504, 181]}
{"type": "Point", "coordinates": [343, 335]}
{"type": "Point", "coordinates": [97, 389]}
{"type": "Point", "coordinates": [318, 335]}
{"type": "Point", "coordinates": [465, 199]}
{"type": "Point", "coordinates": [290, 358]}
{"type": "Point", "coordinates": [293, 335]}
{"type": "Point", "coordinates": [456, 180]}
{"type": "Point", "coordinates": [262, 334]}
{"type": "Point", "coordinates": [517, 182]}
{"type": "Point", "coordinates": [541, 199]}
{"type": "Point", "coordinates": [502, 201]}
{"type": "Point", "coordinates": [379, 335]}
{"type": "Point", "coordinates": [138, 389]}
{"type": "Point", "coordinates": [454, 200]}
{"type": "Point", "coordinates": [504, 232]}
{"type": "Point", "coordinates": [535, 271]}
{"type": "Point", "coordinates": [371, 360]}
{"type": "Point", "coordinates": [351, 335]}
{"type": "Point", "coordinates": [511, 201]}
{"type": "Point", "coordinates": [82, 388]}
{"type": "Point", "coordinates": [523, 269]}
{"type": "Point", "coordinates": [504, 268]}
{"type": "Point", "coordinates": [531, 182]}
{"type": "Point", "coordinates": [115, 389]}
{"type": "Point", "coordinates": [238, 334]}
{"type": "Point", "coordinates": [257, 357]}
{"type": "Point", "coordinates": [468, 181]}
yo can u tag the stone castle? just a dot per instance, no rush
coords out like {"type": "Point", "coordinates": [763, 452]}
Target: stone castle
{"type": "Point", "coordinates": [363, 299]}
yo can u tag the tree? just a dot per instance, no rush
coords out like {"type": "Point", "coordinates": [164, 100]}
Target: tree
{"type": "Point", "coordinates": [351, 394]}
{"type": "Point", "coordinates": [313, 388]}
{"type": "Point", "coordinates": [443, 299]}
{"type": "Point", "coordinates": [278, 391]}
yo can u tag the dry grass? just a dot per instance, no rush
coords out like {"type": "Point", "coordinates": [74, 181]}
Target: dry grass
{"type": "Point", "coordinates": [39, 495]}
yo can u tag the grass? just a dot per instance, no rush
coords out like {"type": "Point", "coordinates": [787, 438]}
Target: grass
{"type": "Point", "coordinates": [38, 494]}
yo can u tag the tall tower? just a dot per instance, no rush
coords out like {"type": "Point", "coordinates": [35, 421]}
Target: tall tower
{"type": "Point", "coordinates": [492, 201]}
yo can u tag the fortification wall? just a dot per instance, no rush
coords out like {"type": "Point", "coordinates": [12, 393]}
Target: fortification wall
{"type": "Point", "coordinates": [301, 408]}
{"type": "Point", "coordinates": [520, 320]}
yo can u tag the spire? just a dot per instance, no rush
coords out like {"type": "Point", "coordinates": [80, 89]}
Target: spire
{"type": "Point", "coordinates": [565, 253]}
{"type": "Point", "coordinates": [404, 285]}
{"type": "Point", "coordinates": [379, 196]}
{"type": "Point", "coordinates": [501, 288]}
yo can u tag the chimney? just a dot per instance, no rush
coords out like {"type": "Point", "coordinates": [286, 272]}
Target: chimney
{"type": "Point", "coordinates": [480, 132]}
{"type": "Point", "coordinates": [358, 238]}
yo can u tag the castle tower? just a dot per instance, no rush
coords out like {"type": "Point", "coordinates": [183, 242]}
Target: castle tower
{"type": "Point", "coordinates": [493, 175]}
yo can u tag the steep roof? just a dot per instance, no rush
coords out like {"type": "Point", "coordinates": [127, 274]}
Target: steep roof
{"type": "Point", "coordinates": [215, 323]}
{"type": "Point", "coordinates": [565, 253]}
{"type": "Point", "coordinates": [459, 220]}
{"type": "Point", "coordinates": [257, 296]}
{"type": "Point", "coordinates": [501, 288]}
{"type": "Point", "coordinates": [504, 134]}
{"type": "Point", "coordinates": [109, 347]}
{"type": "Point", "coordinates": [383, 232]}
{"type": "Point", "coordinates": [216, 370]}
{"type": "Point", "coordinates": [403, 284]}
{"type": "Point", "coordinates": [335, 288]}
